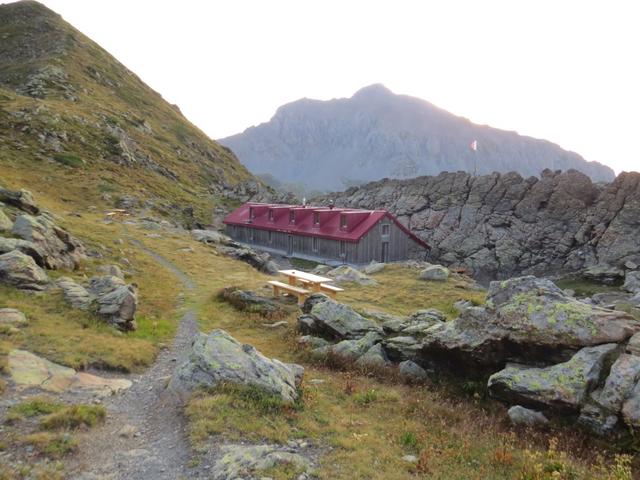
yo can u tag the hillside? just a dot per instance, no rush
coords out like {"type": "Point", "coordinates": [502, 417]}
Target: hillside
{"type": "Point", "coordinates": [501, 225]}
{"type": "Point", "coordinates": [377, 134]}
{"type": "Point", "coordinates": [76, 123]}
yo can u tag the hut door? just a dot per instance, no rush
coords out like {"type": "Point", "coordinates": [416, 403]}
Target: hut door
{"type": "Point", "coordinates": [385, 252]}
{"type": "Point", "coordinates": [290, 245]}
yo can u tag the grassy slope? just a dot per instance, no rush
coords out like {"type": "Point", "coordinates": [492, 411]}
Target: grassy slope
{"type": "Point", "coordinates": [106, 96]}
{"type": "Point", "coordinates": [370, 423]}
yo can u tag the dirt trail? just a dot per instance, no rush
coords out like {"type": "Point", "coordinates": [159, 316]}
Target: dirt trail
{"type": "Point", "coordinates": [155, 447]}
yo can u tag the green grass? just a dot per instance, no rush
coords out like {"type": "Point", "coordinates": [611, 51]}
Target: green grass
{"type": "Point", "coordinates": [52, 445]}
{"type": "Point", "coordinates": [73, 417]}
{"type": "Point", "coordinates": [33, 407]}
{"type": "Point", "coordinates": [302, 264]}
{"type": "Point", "coordinates": [69, 159]}
{"type": "Point", "coordinates": [584, 288]}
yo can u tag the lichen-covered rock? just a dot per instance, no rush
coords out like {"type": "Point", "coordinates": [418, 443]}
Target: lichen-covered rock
{"type": "Point", "coordinates": [239, 462]}
{"type": "Point", "coordinates": [76, 295]}
{"type": "Point", "coordinates": [412, 372]}
{"type": "Point", "coordinates": [374, 267]}
{"type": "Point", "coordinates": [436, 273]}
{"type": "Point", "coordinates": [251, 302]}
{"type": "Point", "coordinates": [210, 236]}
{"type": "Point", "coordinates": [60, 250]}
{"type": "Point", "coordinates": [347, 274]}
{"type": "Point", "coordinates": [402, 348]}
{"type": "Point", "coordinates": [309, 341]}
{"type": "Point", "coordinates": [321, 269]}
{"type": "Point", "coordinates": [524, 416]}
{"type": "Point", "coordinates": [631, 407]}
{"type": "Point", "coordinates": [5, 222]}
{"type": "Point", "coordinates": [374, 357]}
{"type": "Point", "coordinates": [563, 387]}
{"type": "Point", "coordinates": [350, 350]}
{"type": "Point", "coordinates": [21, 199]}
{"type": "Point", "coordinates": [12, 317]}
{"type": "Point", "coordinates": [312, 300]}
{"type": "Point", "coordinates": [632, 282]}
{"type": "Point", "coordinates": [28, 248]}
{"type": "Point", "coordinates": [526, 318]}
{"type": "Point", "coordinates": [21, 271]}
{"type": "Point", "coordinates": [218, 358]}
{"type": "Point", "coordinates": [336, 321]}
{"type": "Point", "coordinates": [259, 261]}
{"type": "Point", "coordinates": [112, 270]}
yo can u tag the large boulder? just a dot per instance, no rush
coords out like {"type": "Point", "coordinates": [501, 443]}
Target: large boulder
{"type": "Point", "coordinates": [219, 358]}
{"type": "Point", "coordinates": [350, 350]}
{"type": "Point", "coordinates": [563, 387]}
{"type": "Point", "coordinates": [59, 249]}
{"type": "Point", "coordinates": [603, 274]}
{"type": "Point", "coordinates": [28, 248]}
{"type": "Point", "coordinates": [21, 199]}
{"type": "Point", "coordinates": [632, 282]}
{"type": "Point", "coordinates": [117, 302]}
{"type": "Point", "coordinates": [335, 321]}
{"type": "Point", "coordinates": [251, 302]}
{"type": "Point", "coordinates": [436, 273]}
{"type": "Point", "coordinates": [210, 237]}
{"type": "Point", "coordinates": [526, 319]}
{"type": "Point", "coordinates": [259, 261]}
{"type": "Point", "coordinates": [20, 270]}
{"type": "Point", "coordinates": [347, 274]}
{"type": "Point", "coordinates": [520, 415]}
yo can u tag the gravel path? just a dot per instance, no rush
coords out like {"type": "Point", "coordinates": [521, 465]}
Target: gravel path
{"type": "Point", "coordinates": [144, 435]}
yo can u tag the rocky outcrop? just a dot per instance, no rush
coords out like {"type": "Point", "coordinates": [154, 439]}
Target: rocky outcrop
{"type": "Point", "coordinates": [21, 199]}
{"type": "Point", "coordinates": [501, 225]}
{"type": "Point", "coordinates": [251, 302]}
{"type": "Point", "coordinates": [347, 274]}
{"type": "Point", "coordinates": [540, 348]}
{"type": "Point", "coordinates": [10, 317]}
{"type": "Point", "coordinates": [116, 301]}
{"type": "Point", "coordinates": [19, 270]}
{"type": "Point", "coordinates": [76, 295]}
{"type": "Point", "coordinates": [377, 134]}
{"type": "Point", "coordinates": [59, 250]}
{"type": "Point", "coordinates": [219, 358]}
{"type": "Point", "coordinates": [259, 260]}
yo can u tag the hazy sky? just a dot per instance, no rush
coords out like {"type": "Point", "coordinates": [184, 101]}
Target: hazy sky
{"type": "Point", "coordinates": [567, 71]}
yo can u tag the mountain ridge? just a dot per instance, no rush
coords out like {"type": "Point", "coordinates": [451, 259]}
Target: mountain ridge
{"type": "Point", "coordinates": [376, 133]}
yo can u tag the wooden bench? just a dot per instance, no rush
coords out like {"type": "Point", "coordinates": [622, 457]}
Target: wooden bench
{"type": "Point", "coordinates": [300, 293]}
{"type": "Point", "coordinates": [330, 290]}
{"type": "Point", "coordinates": [324, 288]}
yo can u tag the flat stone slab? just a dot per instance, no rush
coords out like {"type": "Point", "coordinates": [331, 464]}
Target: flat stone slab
{"type": "Point", "coordinates": [29, 370]}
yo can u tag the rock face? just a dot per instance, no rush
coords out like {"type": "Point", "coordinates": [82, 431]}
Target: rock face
{"type": "Point", "coordinates": [76, 295]}
{"type": "Point", "coordinates": [19, 270]}
{"type": "Point", "coordinates": [217, 357]}
{"type": "Point", "coordinates": [377, 134]}
{"type": "Point", "coordinates": [5, 222]}
{"type": "Point", "coordinates": [502, 225]}
{"type": "Point", "coordinates": [59, 249]}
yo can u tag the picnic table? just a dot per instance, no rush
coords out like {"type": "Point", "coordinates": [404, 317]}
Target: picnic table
{"type": "Point", "coordinates": [310, 283]}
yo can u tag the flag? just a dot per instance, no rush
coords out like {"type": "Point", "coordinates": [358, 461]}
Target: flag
{"type": "Point", "coordinates": [474, 145]}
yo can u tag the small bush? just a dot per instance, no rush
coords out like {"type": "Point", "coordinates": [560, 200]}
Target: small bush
{"type": "Point", "coordinates": [53, 445]}
{"type": "Point", "coordinates": [409, 440]}
{"type": "Point", "coordinates": [74, 416]}
{"type": "Point", "coordinates": [69, 159]}
{"type": "Point", "coordinates": [33, 407]}
{"type": "Point", "coordinates": [366, 398]}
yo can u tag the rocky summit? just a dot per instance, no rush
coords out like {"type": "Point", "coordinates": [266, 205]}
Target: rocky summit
{"type": "Point", "coordinates": [501, 225]}
{"type": "Point", "coordinates": [377, 134]}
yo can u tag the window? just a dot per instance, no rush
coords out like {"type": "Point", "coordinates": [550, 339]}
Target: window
{"type": "Point", "coordinates": [271, 214]}
{"type": "Point", "coordinates": [292, 216]}
{"type": "Point", "coordinates": [385, 229]}
{"type": "Point", "coordinates": [314, 244]}
{"type": "Point", "coordinates": [252, 213]}
{"type": "Point", "coordinates": [316, 218]}
{"type": "Point", "coordinates": [343, 249]}
{"type": "Point", "coordinates": [250, 234]}
{"type": "Point", "coordinates": [343, 221]}
{"type": "Point", "coordinates": [270, 236]}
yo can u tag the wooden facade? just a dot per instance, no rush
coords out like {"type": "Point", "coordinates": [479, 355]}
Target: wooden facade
{"type": "Point", "coordinates": [384, 241]}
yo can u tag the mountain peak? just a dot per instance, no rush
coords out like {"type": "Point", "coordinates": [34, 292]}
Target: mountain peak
{"type": "Point", "coordinates": [374, 90]}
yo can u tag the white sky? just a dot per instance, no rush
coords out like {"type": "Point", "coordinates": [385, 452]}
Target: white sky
{"type": "Point", "coordinates": [564, 70]}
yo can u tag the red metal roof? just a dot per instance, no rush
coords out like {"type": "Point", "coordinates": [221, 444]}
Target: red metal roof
{"type": "Point", "coordinates": [277, 217]}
